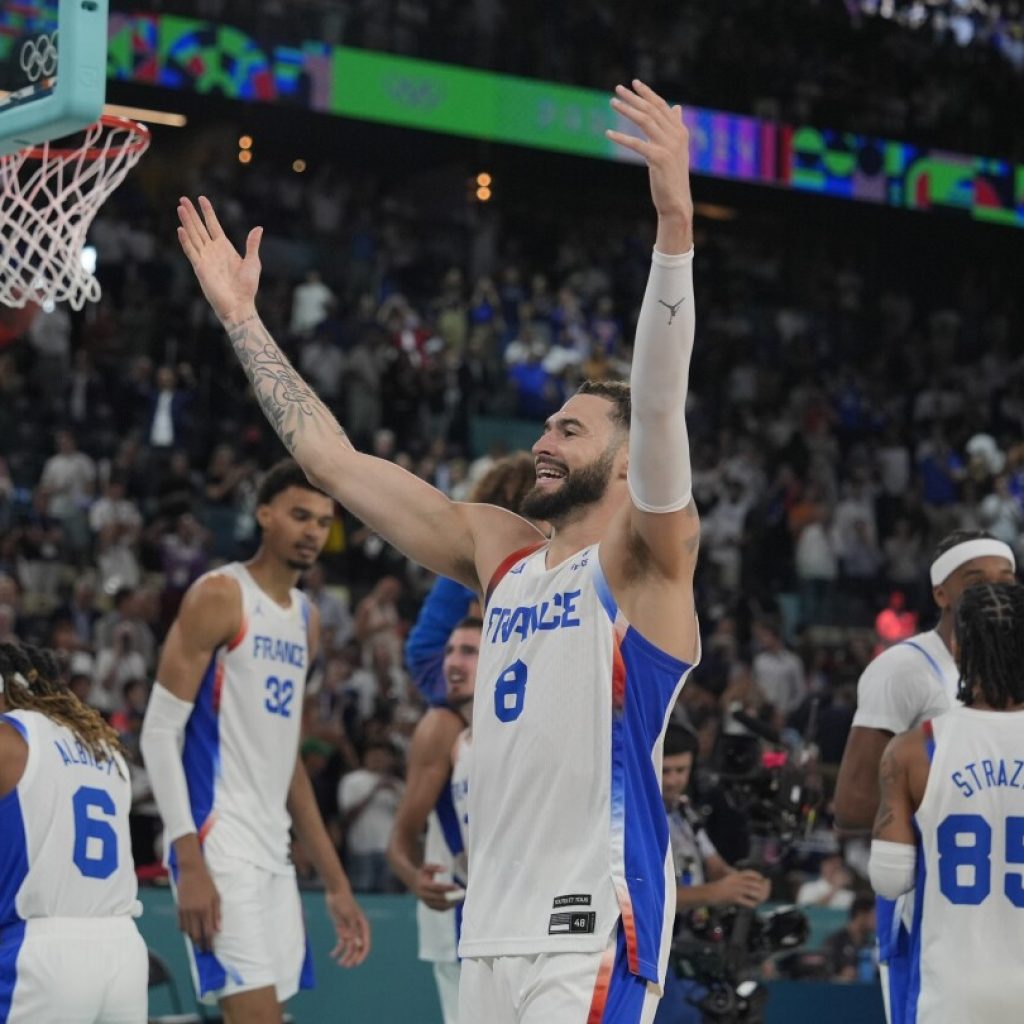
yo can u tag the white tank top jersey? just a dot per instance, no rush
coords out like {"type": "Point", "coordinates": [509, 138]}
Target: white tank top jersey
{"type": "Point", "coordinates": [907, 684]}
{"type": "Point", "coordinates": [969, 908]}
{"type": "Point", "coordinates": [242, 738]}
{"type": "Point", "coordinates": [460, 800]}
{"type": "Point", "coordinates": [65, 848]}
{"type": "Point", "coordinates": [567, 829]}
{"type": "Point", "coordinates": [439, 929]}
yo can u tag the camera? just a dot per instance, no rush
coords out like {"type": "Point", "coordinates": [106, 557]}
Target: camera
{"type": "Point", "coordinates": [778, 794]}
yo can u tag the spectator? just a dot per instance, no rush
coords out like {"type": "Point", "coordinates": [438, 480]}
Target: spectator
{"type": "Point", "coordinates": [368, 799]}
{"type": "Point", "coordinates": [117, 666]}
{"type": "Point", "coordinates": [116, 524]}
{"type": "Point", "coordinates": [167, 426]}
{"type": "Point", "coordinates": [850, 951]}
{"type": "Point", "coordinates": [310, 303]}
{"type": "Point", "coordinates": [832, 888]}
{"type": "Point", "coordinates": [777, 671]}
{"type": "Point", "coordinates": [128, 608]}
{"type": "Point", "coordinates": [337, 626]}
{"type": "Point", "coordinates": [69, 480]}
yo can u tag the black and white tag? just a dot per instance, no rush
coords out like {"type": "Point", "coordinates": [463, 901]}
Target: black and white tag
{"type": "Point", "coordinates": [578, 923]}
{"type": "Point", "coordinates": [573, 900]}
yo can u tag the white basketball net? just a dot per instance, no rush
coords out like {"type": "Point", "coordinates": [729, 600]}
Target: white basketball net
{"type": "Point", "coordinates": [48, 198]}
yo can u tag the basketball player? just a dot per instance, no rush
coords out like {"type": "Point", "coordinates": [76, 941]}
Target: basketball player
{"type": "Point", "coordinates": [436, 873]}
{"type": "Point", "coordinates": [905, 685]}
{"type": "Point", "coordinates": [949, 826]}
{"type": "Point", "coordinates": [69, 949]}
{"type": "Point", "coordinates": [588, 635]}
{"type": "Point", "coordinates": [220, 741]}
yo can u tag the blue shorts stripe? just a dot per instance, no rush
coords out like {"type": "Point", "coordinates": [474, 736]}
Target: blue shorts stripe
{"type": "Point", "coordinates": [626, 991]}
{"type": "Point", "coordinates": [307, 977]}
{"type": "Point", "coordinates": [11, 939]}
{"type": "Point", "coordinates": [210, 972]}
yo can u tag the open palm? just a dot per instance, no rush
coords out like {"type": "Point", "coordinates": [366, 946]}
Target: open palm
{"type": "Point", "coordinates": [229, 281]}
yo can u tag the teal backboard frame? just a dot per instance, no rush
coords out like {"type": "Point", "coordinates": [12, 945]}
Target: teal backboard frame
{"type": "Point", "coordinates": [77, 97]}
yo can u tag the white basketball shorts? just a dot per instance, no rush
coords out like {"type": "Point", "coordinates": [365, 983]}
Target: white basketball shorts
{"type": "Point", "coordinates": [73, 970]}
{"type": "Point", "coordinates": [262, 940]}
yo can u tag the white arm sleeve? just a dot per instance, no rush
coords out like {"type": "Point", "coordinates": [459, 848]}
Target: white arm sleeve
{"type": "Point", "coordinates": [659, 448]}
{"type": "Point", "coordinates": [163, 732]}
{"type": "Point", "coordinates": [891, 868]}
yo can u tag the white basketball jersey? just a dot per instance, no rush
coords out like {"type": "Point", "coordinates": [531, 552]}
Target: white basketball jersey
{"type": "Point", "coordinates": [65, 848]}
{"type": "Point", "coordinates": [460, 801]}
{"type": "Point", "coordinates": [438, 929]}
{"type": "Point", "coordinates": [567, 829]}
{"type": "Point", "coordinates": [907, 684]}
{"type": "Point", "coordinates": [242, 739]}
{"type": "Point", "coordinates": [969, 907]}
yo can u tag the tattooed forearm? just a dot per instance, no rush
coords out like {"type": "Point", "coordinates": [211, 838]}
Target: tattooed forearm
{"type": "Point", "coordinates": [888, 773]}
{"type": "Point", "coordinates": [288, 402]}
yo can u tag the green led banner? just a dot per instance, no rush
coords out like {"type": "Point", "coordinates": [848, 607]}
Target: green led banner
{"type": "Point", "coordinates": [183, 53]}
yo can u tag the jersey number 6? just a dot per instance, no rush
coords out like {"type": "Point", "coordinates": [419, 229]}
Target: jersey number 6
{"type": "Point", "coordinates": [95, 840]}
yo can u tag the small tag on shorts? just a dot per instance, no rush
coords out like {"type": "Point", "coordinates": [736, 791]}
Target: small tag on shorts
{"type": "Point", "coordinates": [574, 900]}
{"type": "Point", "coordinates": [572, 924]}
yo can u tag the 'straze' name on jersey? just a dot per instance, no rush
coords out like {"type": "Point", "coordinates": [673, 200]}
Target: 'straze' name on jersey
{"type": "Point", "coordinates": [969, 895]}
{"type": "Point", "coordinates": [567, 829]}
{"type": "Point", "coordinates": [65, 848]}
{"type": "Point", "coordinates": [242, 738]}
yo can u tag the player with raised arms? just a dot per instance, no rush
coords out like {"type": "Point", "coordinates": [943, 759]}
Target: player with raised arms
{"type": "Point", "coordinates": [588, 635]}
{"type": "Point", "coordinates": [221, 742]}
{"type": "Point", "coordinates": [70, 952]}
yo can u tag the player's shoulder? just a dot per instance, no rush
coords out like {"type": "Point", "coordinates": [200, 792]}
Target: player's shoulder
{"type": "Point", "coordinates": [439, 728]}
{"type": "Point", "coordinates": [902, 658]}
{"type": "Point", "coordinates": [212, 606]}
{"type": "Point", "coordinates": [213, 590]}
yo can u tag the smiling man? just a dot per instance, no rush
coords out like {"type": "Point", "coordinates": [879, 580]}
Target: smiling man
{"type": "Point", "coordinates": [591, 632]}
{"type": "Point", "coordinates": [220, 741]}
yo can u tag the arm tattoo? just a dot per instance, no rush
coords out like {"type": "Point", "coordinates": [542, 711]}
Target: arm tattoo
{"type": "Point", "coordinates": [287, 401]}
{"type": "Point", "coordinates": [888, 779]}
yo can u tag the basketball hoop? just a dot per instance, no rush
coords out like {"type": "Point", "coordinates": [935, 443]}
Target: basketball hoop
{"type": "Point", "coordinates": [49, 196]}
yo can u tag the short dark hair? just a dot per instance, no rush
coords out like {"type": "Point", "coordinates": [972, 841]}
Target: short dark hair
{"type": "Point", "coordinates": [282, 475]}
{"type": "Point", "coordinates": [470, 622]}
{"type": "Point", "coordinates": [951, 540]}
{"type": "Point", "coordinates": [990, 635]}
{"type": "Point", "coordinates": [861, 905]}
{"type": "Point", "coordinates": [679, 740]}
{"type": "Point", "coordinates": [615, 391]}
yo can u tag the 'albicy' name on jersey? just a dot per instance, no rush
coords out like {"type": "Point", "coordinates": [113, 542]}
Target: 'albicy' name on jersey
{"type": "Point", "coordinates": [242, 738]}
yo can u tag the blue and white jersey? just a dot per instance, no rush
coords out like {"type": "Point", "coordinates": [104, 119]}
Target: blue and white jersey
{"type": "Point", "coordinates": [65, 848]}
{"type": "Point", "coordinates": [439, 929]}
{"type": "Point", "coordinates": [907, 684]}
{"type": "Point", "coordinates": [460, 800]}
{"type": "Point", "coordinates": [242, 739]}
{"type": "Point", "coordinates": [567, 829]}
{"type": "Point", "coordinates": [966, 951]}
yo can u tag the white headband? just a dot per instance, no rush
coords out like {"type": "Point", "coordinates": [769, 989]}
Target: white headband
{"type": "Point", "coordinates": [17, 678]}
{"type": "Point", "coordinates": [985, 547]}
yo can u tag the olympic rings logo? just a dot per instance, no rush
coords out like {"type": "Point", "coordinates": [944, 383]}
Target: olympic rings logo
{"type": "Point", "coordinates": [39, 57]}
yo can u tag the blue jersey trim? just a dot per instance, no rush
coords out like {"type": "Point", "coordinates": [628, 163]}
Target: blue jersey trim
{"type": "Point", "coordinates": [212, 974]}
{"type": "Point", "coordinates": [913, 989]}
{"type": "Point", "coordinates": [931, 661]}
{"type": "Point", "coordinates": [201, 752]}
{"type": "Point", "coordinates": [13, 856]}
{"type": "Point", "coordinates": [652, 681]}
{"type": "Point", "coordinates": [11, 939]}
{"type": "Point", "coordinates": [624, 1003]}
{"type": "Point", "coordinates": [17, 723]}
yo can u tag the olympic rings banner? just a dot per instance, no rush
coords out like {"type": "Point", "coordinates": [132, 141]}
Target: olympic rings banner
{"type": "Point", "coordinates": [181, 53]}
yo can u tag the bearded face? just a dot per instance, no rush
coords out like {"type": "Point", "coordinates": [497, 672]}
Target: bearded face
{"type": "Point", "coordinates": [579, 488]}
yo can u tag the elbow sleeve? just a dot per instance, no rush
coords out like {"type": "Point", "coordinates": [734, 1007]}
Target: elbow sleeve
{"type": "Point", "coordinates": [891, 868]}
{"type": "Point", "coordinates": [659, 472]}
{"type": "Point", "coordinates": [163, 732]}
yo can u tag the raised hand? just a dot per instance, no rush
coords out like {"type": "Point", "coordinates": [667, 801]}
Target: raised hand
{"type": "Point", "coordinates": [665, 146]}
{"type": "Point", "coordinates": [229, 281]}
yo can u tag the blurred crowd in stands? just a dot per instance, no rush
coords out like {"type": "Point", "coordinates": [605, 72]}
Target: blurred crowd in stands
{"type": "Point", "coordinates": [933, 73]}
{"type": "Point", "coordinates": [843, 417]}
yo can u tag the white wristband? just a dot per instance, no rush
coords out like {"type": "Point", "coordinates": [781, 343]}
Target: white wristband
{"type": "Point", "coordinates": [891, 868]}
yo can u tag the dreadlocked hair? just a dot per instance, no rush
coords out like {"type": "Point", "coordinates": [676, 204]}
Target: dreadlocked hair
{"type": "Point", "coordinates": [990, 636]}
{"type": "Point", "coordinates": [43, 691]}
